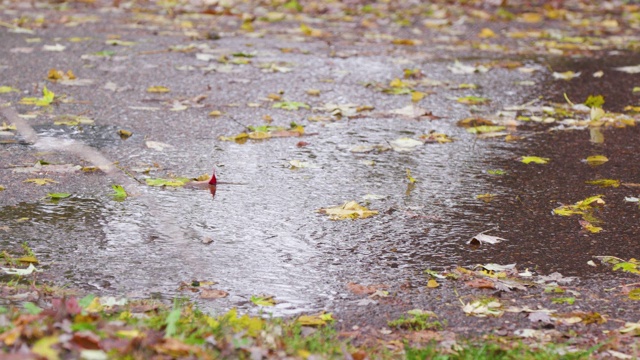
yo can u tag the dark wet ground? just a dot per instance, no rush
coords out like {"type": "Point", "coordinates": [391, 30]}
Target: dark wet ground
{"type": "Point", "coordinates": [267, 236]}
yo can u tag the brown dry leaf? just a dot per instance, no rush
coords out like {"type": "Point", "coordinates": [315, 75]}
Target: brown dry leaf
{"type": "Point", "coordinates": [86, 340]}
{"type": "Point", "coordinates": [213, 294]}
{"type": "Point", "coordinates": [424, 336]}
{"type": "Point", "coordinates": [474, 122]}
{"type": "Point", "coordinates": [364, 289]}
{"type": "Point", "coordinates": [481, 284]}
{"type": "Point", "coordinates": [176, 348]}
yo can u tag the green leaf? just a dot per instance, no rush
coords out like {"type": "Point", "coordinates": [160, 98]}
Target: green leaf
{"type": "Point", "coordinates": [172, 323]}
{"type": "Point", "coordinates": [290, 105]}
{"type": "Point", "coordinates": [58, 196]}
{"type": "Point", "coordinates": [634, 294]}
{"type": "Point", "coordinates": [627, 267]}
{"type": "Point", "coordinates": [86, 301]}
{"type": "Point", "coordinates": [534, 159]}
{"type": "Point", "coordinates": [496, 172]}
{"type": "Point", "coordinates": [7, 89]}
{"type": "Point", "coordinates": [604, 182]}
{"type": "Point", "coordinates": [594, 101]}
{"type": "Point", "coordinates": [120, 193]}
{"type": "Point", "coordinates": [473, 100]}
{"type": "Point", "coordinates": [564, 300]}
{"type": "Point", "coordinates": [263, 300]}
{"type": "Point", "coordinates": [31, 308]}
{"type": "Point", "coordinates": [167, 182]}
{"type": "Point", "coordinates": [105, 53]}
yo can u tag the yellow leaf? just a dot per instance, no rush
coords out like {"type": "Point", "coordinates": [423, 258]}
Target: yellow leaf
{"type": "Point", "coordinates": [409, 177]}
{"type": "Point", "coordinates": [406, 42]}
{"type": "Point", "coordinates": [28, 259]}
{"type": "Point", "coordinates": [128, 333]}
{"type": "Point", "coordinates": [534, 159]}
{"type": "Point", "coordinates": [486, 33]}
{"type": "Point", "coordinates": [158, 89]}
{"type": "Point", "coordinates": [215, 113]}
{"type": "Point", "coordinates": [530, 17]}
{"type": "Point", "coordinates": [350, 210]}
{"type": "Point", "coordinates": [397, 83]}
{"type": "Point", "coordinates": [417, 96]}
{"type": "Point", "coordinates": [43, 348]}
{"type": "Point", "coordinates": [596, 160]}
{"type": "Point", "coordinates": [485, 197]}
{"type": "Point", "coordinates": [432, 283]}
{"type": "Point", "coordinates": [256, 135]}
{"type": "Point", "coordinates": [41, 182]}
{"type": "Point", "coordinates": [7, 89]}
{"type": "Point", "coordinates": [310, 320]}
{"type": "Point", "coordinates": [604, 182]}
{"type": "Point", "coordinates": [590, 227]}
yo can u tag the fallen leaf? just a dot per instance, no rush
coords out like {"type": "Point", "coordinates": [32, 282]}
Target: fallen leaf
{"type": "Point", "coordinates": [567, 75]}
{"type": "Point", "coordinates": [41, 182]}
{"type": "Point", "coordinates": [485, 239]}
{"type": "Point", "coordinates": [596, 160]}
{"type": "Point", "coordinates": [349, 210]}
{"type": "Point", "coordinates": [629, 69]}
{"type": "Point", "coordinates": [58, 196]}
{"type": "Point", "coordinates": [604, 182]}
{"type": "Point", "coordinates": [534, 159]}
{"type": "Point", "coordinates": [213, 294]}
{"type": "Point", "coordinates": [156, 145]}
{"type": "Point", "coordinates": [263, 300]}
{"type": "Point", "coordinates": [158, 89]}
{"type": "Point", "coordinates": [21, 272]}
{"type": "Point", "coordinates": [405, 144]}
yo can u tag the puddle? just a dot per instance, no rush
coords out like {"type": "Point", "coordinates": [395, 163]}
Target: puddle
{"type": "Point", "coordinates": [268, 237]}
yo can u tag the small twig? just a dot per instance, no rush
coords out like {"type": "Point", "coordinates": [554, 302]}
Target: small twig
{"type": "Point", "coordinates": [239, 123]}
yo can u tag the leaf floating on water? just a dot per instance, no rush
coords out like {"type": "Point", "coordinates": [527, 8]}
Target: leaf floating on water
{"type": "Point", "coordinates": [534, 159]}
{"type": "Point", "coordinates": [263, 300]}
{"type": "Point", "coordinates": [119, 192]}
{"type": "Point", "coordinates": [213, 294]}
{"type": "Point", "coordinates": [409, 177]}
{"type": "Point", "coordinates": [596, 160]}
{"type": "Point", "coordinates": [176, 182]}
{"type": "Point", "coordinates": [156, 145]}
{"type": "Point", "coordinates": [405, 144]}
{"type": "Point", "coordinates": [604, 182]}
{"type": "Point", "coordinates": [297, 164]}
{"type": "Point", "coordinates": [436, 137]}
{"type": "Point", "coordinates": [485, 239]}
{"type": "Point", "coordinates": [485, 197]}
{"type": "Point", "coordinates": [58, 196]}
{"type": "Point", "coordinates": [567, 75]}
{"type": "Point", "coordinates": [124, 134]}
{"type": "Point", "coordinates": [350, 210]}
{"type": "Point", "coordinates": [496, 172]}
